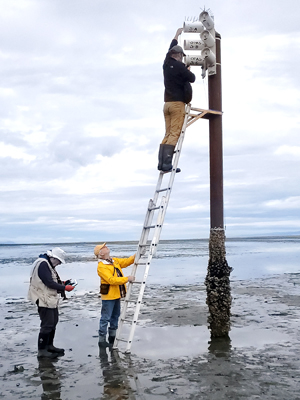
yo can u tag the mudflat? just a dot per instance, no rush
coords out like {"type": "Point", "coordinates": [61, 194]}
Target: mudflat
{"type": "Point", "coordinates": [172, 354]}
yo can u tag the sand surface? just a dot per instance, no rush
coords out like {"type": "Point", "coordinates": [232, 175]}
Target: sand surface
{"type": "Point", "coordinates": [172, 355]}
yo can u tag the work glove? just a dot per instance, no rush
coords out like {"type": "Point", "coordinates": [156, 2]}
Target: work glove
{"type": "Point", "coordinates": [69, 288]}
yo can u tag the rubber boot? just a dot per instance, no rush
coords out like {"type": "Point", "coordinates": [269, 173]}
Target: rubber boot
{"type": "Point", "coordinates": [160, 154]}
{"type": "Point", "coordinates": [42, 347]}
{"type": "Point", "coordinates": [50, 346]}
{"type": "Point", "coordinates": [168, 151]}
{"type": "Point", "coordinates": [111, 340]}
{"type": "Point", "coordinates": [102, 341]}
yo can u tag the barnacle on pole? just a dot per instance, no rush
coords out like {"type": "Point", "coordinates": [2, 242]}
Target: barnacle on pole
{"type": "Point", "coordinates": [218, 285]}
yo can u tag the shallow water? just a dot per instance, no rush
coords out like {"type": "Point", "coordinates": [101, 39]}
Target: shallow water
{"type": "Point", "coordinates": [176, 262]}
{"type": "Point", "coordinates": [163, 342]}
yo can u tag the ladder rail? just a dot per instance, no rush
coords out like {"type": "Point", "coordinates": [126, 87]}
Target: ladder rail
{"type": "Point", "coordinates": [143, 285]}
{"type": "Point", "coordinates": [144, 235]}
{"type": "Point", "coordinates": [143, 241]}
{"type": "Point", "coordinates": [152, 206]}
{"type": "Point", "coordinates": [147, 222]}
{"type": "Point", "coordinates": [130, 286]}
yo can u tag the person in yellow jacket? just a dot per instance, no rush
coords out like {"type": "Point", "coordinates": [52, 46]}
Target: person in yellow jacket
{"type": "Point", "coordinates": [112, 289]}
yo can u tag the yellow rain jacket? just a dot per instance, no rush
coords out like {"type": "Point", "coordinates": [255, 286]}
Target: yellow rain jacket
{"type": "Point", "coordinates": [108, 275]}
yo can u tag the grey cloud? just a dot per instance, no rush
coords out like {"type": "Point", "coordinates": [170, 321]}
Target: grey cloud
{"type": "Point", "coordinates": [59, 159]}
{"type": "Point", "coordinates": [51, 206]}
{"type": "Point", "coordinates": [15, 139]}
{"type": "Point", "coordinates": [83, 150]}
{"type": "Point", "coordinates": [256, 17]}
{"type": "Point", "coordinates": [15, 171]}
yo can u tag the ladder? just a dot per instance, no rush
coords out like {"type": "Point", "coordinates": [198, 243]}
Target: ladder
{"type": "Point", "coordinates": [145, 251]}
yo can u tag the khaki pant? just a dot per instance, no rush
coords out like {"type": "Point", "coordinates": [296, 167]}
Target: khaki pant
{"type": "Point", "coordinates": [174, 112]}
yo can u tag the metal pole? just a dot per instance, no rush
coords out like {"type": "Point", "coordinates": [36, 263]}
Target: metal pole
{"type": "Point", "coordinates": [217, 280]}
{"type": "Point", "coordinates": [216, 143]}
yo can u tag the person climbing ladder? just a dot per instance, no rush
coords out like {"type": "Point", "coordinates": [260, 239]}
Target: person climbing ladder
{"type": "Point", "coordinates": [177, 78]}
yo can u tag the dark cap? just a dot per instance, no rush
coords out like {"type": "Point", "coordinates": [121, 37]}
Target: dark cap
{"type": "Point", "coordinates": [177, 49]}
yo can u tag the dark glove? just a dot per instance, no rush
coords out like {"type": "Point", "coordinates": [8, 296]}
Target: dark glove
{"type": "Point", "coordinates": [69, 288]}
{"type": "Point", "coordinates": [67, 282]}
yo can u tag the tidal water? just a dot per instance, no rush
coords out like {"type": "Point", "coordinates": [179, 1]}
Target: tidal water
{"type": "Point", "coordinates": [176, 262]}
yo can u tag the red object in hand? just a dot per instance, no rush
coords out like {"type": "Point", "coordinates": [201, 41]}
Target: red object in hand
{"type": "Point", "coordinates": [69, 288]}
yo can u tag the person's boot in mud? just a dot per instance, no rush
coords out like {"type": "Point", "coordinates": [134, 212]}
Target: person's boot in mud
{"type": "Point", "coordinates": [102, 343]}
{"type": "Point", "coordinates": [42, 347]}
{"type": "Point", "coordinates": [51, 348]}
{"type": "Point", "coordinates": [111, 340]}
{"type": "Point", "coordinates": [111, 337]}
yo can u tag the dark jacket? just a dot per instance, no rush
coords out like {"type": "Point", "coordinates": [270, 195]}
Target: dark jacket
{"type": "Point", "coordinates": [175, 76]}
{"type": "Point", "coordinates": [45, 275]}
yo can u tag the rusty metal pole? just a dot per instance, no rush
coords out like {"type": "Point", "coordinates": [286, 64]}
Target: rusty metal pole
{"type": "Point", "coordinates": [216, 143]}
{"type": "Point", "coordinates": [217, 280]}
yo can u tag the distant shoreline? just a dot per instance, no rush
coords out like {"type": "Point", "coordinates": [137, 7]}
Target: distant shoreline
{"type": "Point", "coordinates": [228, 239]}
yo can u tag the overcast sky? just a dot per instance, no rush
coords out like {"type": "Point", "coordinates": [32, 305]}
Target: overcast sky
{"type": "Point", "coordinates": [81, 92]}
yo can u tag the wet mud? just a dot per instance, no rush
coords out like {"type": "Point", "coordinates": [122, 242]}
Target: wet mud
{"type": "Point", "coordinates": [173, 355]}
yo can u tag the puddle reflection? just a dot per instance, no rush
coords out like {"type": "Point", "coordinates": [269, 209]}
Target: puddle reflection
{"type": "Point", "coordinates": [120, 381]}
{"type": "Point", "coordinates": [220, 347]}
{"type": "Point", "coordinates": [50, 378]}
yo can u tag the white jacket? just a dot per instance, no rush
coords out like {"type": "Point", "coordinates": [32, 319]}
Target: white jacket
{"type": "Point", "coordinates": [39, 291]}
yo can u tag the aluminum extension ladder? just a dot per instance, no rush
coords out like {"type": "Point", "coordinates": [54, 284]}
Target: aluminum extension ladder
{"type": "Point", "coordinates": [146, 251]}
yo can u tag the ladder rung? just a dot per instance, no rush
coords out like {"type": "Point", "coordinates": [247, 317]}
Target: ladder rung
{"type": "Point", "coordinates": [149, 227]}
{"type": "Point", "coordinates": [123, 340]}
{"type": "Point", "coordinates": [136, 301]}
{"type": "Point", "coordinates": [129, 321]}
{"type": "Point", "coordinates": [162, 190]}
{"type": "Point", "coordinates": [126, 320]}
{"type": "Point", "coordinates": [139, 282]}
{"type": "Point", "coordinates": [154, 208]}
